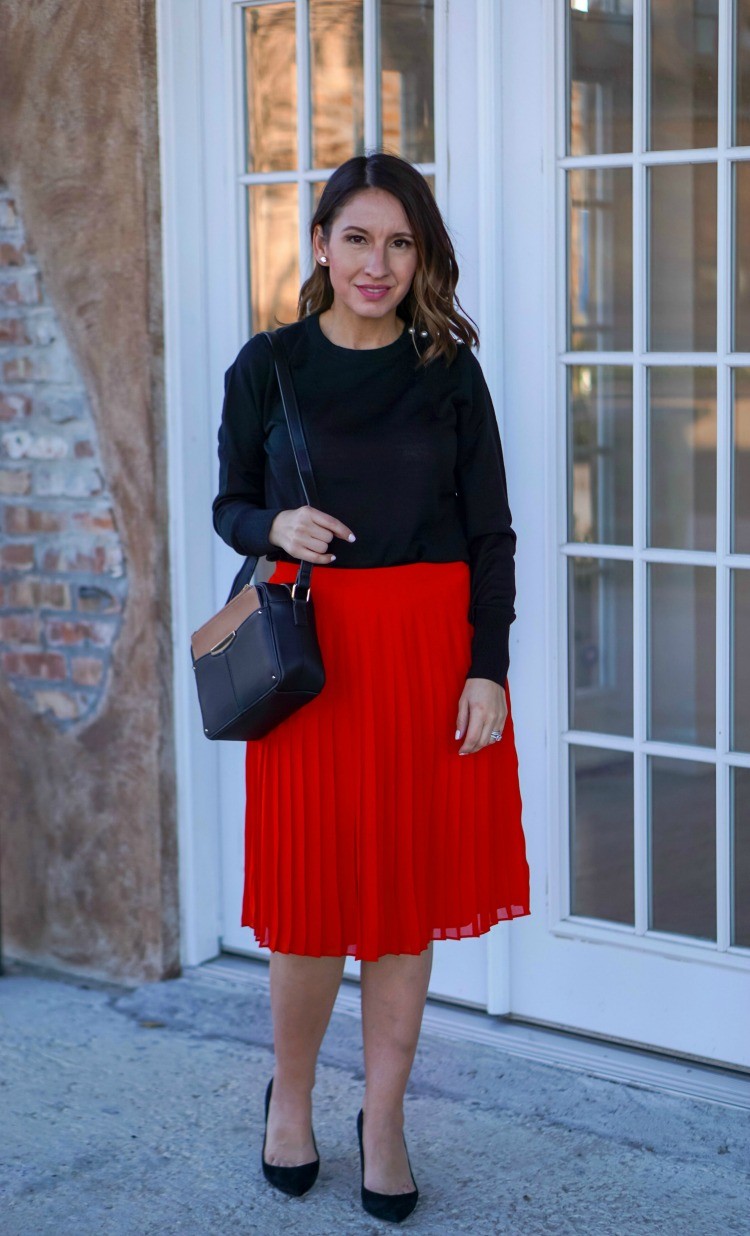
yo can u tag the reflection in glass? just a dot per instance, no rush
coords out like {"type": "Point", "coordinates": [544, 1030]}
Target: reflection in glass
{"type": "Point", "coordinates": [601, 835]}
{"type": "Point", "coordinates": [682, 246]}
{"type": "Point", "coordinates": [600, 653]}
{"type": "Point", "coordinates": [684, 73]}
{"type": "Point", "coordinates": [336, 81]}
{"type": "Point", "coordinates": [600, 39]}
{"type": "Point", "coordinates": [406, 78]}
{"type": "Point", "coordinates": [271, 88]}
{"type": "Point", "coordinates": [600, 454]}
{"type": "Point", "coordinates": [740, 628]}
{"type": "Point", "coordinates": [741, 45]}
{"type": "Point", "coordinates": [740, 539]}
{"type": "Point", "coordinates": [683, 847]}
{"type": "Point", "coordinates": [741, 217]}
{"type": "Point", "coordinates": [740, 853]}
{"type": "Point", "coordinates": [682, 644]}
{"type": "Point", "coordinates": [682, 458]}
{"type": "Point", "coordinates": [274, 255]}
{"type": "Point", "coordinates": [600, 258]}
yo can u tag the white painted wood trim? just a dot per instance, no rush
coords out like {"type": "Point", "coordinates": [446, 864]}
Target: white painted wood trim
{"type": "Point", "coordinates": [554, 326]}
{"type": "Point", "coordinates": [188, 476]}
{"type": "Point", "coordinates": [371, 81]}
{"type": "Point", "coordinates": [440, 168]}
{"type": "Point", "coordinates": [490, 322]}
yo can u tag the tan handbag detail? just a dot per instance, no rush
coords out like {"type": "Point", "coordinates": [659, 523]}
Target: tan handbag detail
{"type": "Point", "coordinates": [216, 634]}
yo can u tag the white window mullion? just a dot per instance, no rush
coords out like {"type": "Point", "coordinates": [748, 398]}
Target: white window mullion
{"type": "Point", "coordinates": [234, 19]}
{"type": "Point", "coordinates": [561, 803]}
{"type": "Point", "coordinates": [304, 154]}
{"type": "Point", "coordinates": [641, 232]}
{"type": "Point", "coordinates": [440, 52]}
{"type": "Point", "coordinates": [371, 50]}
{"type": "Point", "coordinates": [489, 189]}
{"type": "Point", "coordinates": [641, 812]}
{"type": "Point", "coordinates": [723, 486]}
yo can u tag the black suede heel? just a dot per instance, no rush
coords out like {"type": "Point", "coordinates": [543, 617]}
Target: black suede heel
{"type": "Point", "coordinates": [292, 1180]}
{"type": "Point", "coordinates": [393, 1207]}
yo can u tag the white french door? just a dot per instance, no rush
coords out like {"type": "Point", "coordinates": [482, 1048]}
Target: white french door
{"type": "Point", "coordinates": [637, 380]}
{"type": "Point", "coordinates": [282, 92]}
{"type": "Point", "coordinates": [594, 176]}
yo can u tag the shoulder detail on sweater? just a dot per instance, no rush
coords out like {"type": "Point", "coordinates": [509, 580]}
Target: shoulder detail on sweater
{"type": "Point", "coordinates": [257, 351]}
{"type": "Point", "coordinates": [470, 356]}
{"type": "Point", "coordinates": [468, 366]}
{"type": "Point", "coordinates": [254, 356]}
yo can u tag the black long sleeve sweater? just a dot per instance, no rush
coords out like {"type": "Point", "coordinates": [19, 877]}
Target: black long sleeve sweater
{"type": "Point", "coordinates": [409, 458]}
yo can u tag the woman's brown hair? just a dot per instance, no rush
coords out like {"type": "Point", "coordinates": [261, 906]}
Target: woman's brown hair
{"type": "Point", "coordinates": [431, 303]}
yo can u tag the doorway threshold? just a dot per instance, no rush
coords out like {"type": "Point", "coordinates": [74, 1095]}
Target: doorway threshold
{"type": "Point", "coordinates": [558, 1048]}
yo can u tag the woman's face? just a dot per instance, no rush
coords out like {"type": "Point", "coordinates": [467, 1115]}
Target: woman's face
{"type": "Point", "coordinates": [371, 255]}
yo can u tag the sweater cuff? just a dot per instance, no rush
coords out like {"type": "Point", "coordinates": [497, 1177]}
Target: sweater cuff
{"type": "Point", "coordinates": [252, 528]}
{"type": "Point", "coordinates": [490, 653]}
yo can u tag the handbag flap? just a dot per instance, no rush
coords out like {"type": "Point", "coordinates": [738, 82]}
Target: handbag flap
{"type": "Point", "coordinates": [227, 620]}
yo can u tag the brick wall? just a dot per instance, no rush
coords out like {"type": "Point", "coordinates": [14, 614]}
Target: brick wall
{"type": "Point", "coordinates": [63, 580]}
{"type": "Point", "coordinates": [88, 812]}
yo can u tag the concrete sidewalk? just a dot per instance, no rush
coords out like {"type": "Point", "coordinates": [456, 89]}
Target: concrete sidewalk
{"type": "Point", "coordinates": [132, 1112]}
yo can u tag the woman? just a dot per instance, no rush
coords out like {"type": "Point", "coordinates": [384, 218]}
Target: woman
{"type": "Point", "coordinates": [385, 813]}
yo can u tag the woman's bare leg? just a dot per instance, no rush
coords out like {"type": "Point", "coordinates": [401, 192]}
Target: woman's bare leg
{"type": "Point", "coordinates": [394, 990]}
{"type": "Point", "coordinates": [303, 993]}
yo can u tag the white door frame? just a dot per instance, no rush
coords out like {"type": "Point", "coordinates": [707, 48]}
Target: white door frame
{"type": "Point", "coordinates": [202, 310]}
{"type": "Point", "coordinates": [189, 457]}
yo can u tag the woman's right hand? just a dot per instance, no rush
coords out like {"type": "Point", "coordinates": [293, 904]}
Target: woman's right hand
{"type": "Point", "coordinates": [306, 533]}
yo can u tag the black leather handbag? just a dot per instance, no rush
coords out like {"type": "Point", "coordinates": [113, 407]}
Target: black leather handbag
{"type": "Point", "coordinates": [258, 659]}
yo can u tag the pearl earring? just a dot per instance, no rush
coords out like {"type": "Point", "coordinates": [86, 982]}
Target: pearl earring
{"type": "Point", "coordinates": [324, 259]}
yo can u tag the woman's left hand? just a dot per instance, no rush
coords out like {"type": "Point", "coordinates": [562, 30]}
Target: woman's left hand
{"type": "Point", "coordinates": [482, 708]}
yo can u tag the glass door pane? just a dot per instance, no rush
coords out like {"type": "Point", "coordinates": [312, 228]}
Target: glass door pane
{"type": "Point", "coordinates": [682, 799]}
{"type": "Point", "coordinates": [681, 653]}
{"type": "Point", "coordinates": [273, 253]}
{"type": "Point", "coordinates": [740, 463]}
{"type": "Point", "coordinates": [601, 837]}
{"type": "Point", "coordinates": [740, 612]}
{"type": "Point", "coordinates": [337, 102]}
{"type": "Point", "coordinates": [600, 656]}
{"type": "Point", "coordinates": [270, 88]}
{"type": "Point", "coordinates": [600, 454]}
{"type": "Point", "coordinates": [741, 46]}
{"type": "Point", "coordinates": [600, 115]}
{"type": "Point", "coordinates": [684, 73]}
{"type": "Point", "coordinates": [741, 214]}
{"type": "Point", "coordinates": [740, 857]}
{"type": "Point", "coordinates": [600, 261]}
{"type": "Point", "coordinates": [682, 246]}
{"type": "Point", "coordinates": [682, 458]}
{"type": "Point", "coordinates": [407, 85]}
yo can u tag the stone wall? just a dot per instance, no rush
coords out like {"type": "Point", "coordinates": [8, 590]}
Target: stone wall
{"type": "Point", "coordinates": [88, 855]}
{"type": "Point", "coordinates": [62, 573]}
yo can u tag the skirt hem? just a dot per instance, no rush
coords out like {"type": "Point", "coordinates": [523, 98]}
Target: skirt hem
{"type": "Point", "coordinates": [438, 933]}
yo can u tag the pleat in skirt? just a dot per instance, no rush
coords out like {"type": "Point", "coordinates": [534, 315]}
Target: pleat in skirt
{"type": "Point", "coordinates": [366, 833]}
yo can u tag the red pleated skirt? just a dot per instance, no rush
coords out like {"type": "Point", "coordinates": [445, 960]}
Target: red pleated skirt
{"type": "Point", "coordinates": [366, 832]}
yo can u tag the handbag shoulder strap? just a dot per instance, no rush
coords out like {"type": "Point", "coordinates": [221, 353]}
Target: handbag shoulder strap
{"type": "Point", "coordinates": [293, 419]}
{"type": "Point", "coordinates": [301, 458]}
